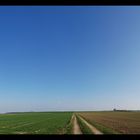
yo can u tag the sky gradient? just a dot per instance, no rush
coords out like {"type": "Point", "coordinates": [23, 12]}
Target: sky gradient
{"type": "Point", "coordinates": [69, 58]}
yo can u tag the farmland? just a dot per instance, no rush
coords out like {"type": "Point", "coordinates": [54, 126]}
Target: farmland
{"type": "Point", "coordinates": [101, 122]}
{"type": "Point", "coordinates": [114, 122]}
{"type": "Point", "coordinates": [35, 123]}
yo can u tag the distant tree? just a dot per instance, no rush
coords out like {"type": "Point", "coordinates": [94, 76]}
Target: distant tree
{"type": "Point", "coordinates": [114, 109]}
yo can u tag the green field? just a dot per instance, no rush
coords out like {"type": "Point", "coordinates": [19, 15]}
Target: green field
{"type": "Point", "coordinates": [35, 123]}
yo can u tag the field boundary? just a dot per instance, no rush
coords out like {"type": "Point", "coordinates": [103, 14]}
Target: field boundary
{"type": "Point", "coordinates": [84, 128]}
{"type": "Point", "coordinates": [68, 128]}
{"type": "Point", "coordinates": [90, 126]}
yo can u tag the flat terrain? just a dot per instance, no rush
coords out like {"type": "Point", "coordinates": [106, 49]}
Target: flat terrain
{"type": "Point", "coordinates": [35, 123]}
{"type": "Point", "coordinates": [102, 122]}
{"type": "Point", "coordinates": [114, 122]}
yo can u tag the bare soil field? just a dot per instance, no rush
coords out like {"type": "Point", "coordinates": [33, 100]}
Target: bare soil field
{"type": "Point", "coordinates": [114, 122]}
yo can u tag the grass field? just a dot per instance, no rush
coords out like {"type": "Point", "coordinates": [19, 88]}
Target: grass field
{"type": "Point", "coordinates": [35, 123]}
{"type": "Point", "coordinates": [114, 122]}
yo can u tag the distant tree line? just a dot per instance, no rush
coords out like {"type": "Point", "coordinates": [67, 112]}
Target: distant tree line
{"type": "Point", "coordinates": [120, 110]}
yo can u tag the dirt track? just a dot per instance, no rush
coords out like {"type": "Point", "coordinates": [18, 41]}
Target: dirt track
{"type": "Point", "coordinates": [76, 128]}
{"type": "Point", "coordinates": [92, 128]}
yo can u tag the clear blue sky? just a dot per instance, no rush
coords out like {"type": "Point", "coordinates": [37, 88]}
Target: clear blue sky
{"type": "Point", "coordinates": [69, 58]}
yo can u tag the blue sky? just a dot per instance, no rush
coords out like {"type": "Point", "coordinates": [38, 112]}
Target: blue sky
{"type": "Point", "coordinates": [69, 58]}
